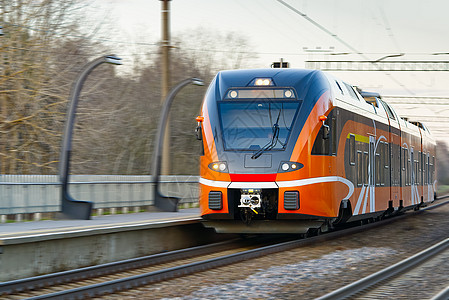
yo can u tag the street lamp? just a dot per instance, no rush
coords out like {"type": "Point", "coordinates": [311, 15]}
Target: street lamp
{"type": "Point", "coordinates": [71, 208]}
{"type": "Point", "coordinates": [162, 202]}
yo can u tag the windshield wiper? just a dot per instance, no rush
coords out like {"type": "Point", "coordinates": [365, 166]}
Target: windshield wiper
{"type": "Point", "coordinates": [271, 144]}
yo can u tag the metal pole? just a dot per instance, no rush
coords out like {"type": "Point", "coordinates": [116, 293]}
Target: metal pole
{"type": "Point", "coordinates": [71, 208]}
{"type": "Point", "coordinates": [165, 50]}
{"type": "Point", "coordinates": [161, 202]}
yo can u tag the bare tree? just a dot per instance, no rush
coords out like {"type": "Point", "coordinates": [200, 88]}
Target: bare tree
{"type": "Point", "coordinates": [30, 102]}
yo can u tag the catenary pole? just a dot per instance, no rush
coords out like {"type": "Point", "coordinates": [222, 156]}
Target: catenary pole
{"type": "Point", "coordinates": [165, 87]}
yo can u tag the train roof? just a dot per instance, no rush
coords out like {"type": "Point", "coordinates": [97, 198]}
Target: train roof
{"type": "Point", "coordinates": [308, 84]}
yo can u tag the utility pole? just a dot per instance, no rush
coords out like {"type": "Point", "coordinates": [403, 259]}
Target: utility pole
{"type": "Point", "coordinates": [165, 86]}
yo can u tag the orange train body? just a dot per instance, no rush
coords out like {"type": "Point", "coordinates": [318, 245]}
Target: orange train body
{"type": "Point", "coordinates": [287, 150]}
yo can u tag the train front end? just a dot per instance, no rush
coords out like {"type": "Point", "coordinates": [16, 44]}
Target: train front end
{"type": "Point", "coordinates": [258, 128]}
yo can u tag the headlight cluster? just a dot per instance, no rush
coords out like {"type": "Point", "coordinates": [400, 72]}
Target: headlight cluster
{"type": "Point", "coordinates": [219, 166]}
{"type": "Point", "coordinates": [289, 166]}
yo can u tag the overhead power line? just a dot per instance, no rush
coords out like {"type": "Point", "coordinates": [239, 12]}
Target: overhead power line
{"type": "Point", "coordinates": [336, 37]}
{"type": "Point", "coordinates": [389, 66]}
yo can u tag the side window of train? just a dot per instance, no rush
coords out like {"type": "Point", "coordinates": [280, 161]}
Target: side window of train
{"type": "Point", "coordinates": [365, 168]}
{"type": "Point", "coordinates": [389, 110]}
{"type": "Point", "coordinates": [432, 169]}
{"type": "Point", "coordinates": [404, 164]}
{"type": "Point", "coordinates": [359, 168]}
{"type": "Point", "coordinates": [341, 90]}
{"type": "Point", "coordinates": [334, 136]}
{"type": "Point", "coordinates": [352, 150]}
{"type": "Point", "coordinates": [379, 170]}
{"type": "Point", "coordinates": [351, 91]}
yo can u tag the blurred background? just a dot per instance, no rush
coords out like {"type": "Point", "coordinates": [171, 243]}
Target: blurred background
{"type": "Point", "coordinates": [46, 44]}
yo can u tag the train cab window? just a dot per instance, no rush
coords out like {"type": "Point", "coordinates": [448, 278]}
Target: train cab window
{"type": "Point", "coordinates": [352, 150]}
{"type": "Point", "coordinates": [359, 168]}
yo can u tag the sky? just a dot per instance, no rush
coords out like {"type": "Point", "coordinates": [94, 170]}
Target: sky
{"type": "Point", "coordinates": [300, 30]}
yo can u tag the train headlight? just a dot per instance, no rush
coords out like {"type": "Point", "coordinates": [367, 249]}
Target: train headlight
{"type": "Point", "coordinates": [233, 94]}
{"type": "Point", "coordinates": [262, 81]}
{"type": "Point", "coordinates": [219, 166]}
{"type": "Point", "coordinates": [289, 166]}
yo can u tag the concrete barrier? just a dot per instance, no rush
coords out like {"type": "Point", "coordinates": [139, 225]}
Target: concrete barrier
{"type": "Point", "coordinates": [31, 194]}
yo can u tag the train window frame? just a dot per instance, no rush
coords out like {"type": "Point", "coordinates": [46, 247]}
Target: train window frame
{"type": "Point", "coordinates": [341, 90]}
{"type": "Point", "coordinates": [365, 168]}
{"type": "Point", "coordinates": [352, 152]}
{"type": "Point", "coordinates": [377, 164]}
{"type": "Point", "coordinates": [359, 168]}
{"type": "Point", "coordinates": [334, 143]}
{"type": "Point", "coordinates": [222, 103]}
{"type": "Point", "coordinates": [388, 110]}
{"type": "Point", "coordinates": [351, 91]}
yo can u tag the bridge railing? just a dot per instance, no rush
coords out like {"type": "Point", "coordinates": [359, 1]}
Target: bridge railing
{"type": "Point", "coordinates": [29, 194]}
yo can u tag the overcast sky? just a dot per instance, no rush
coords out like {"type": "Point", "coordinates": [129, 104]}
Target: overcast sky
{"type": "Point", "coordinates": [374, 28]}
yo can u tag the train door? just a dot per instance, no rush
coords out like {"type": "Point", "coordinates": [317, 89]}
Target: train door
{"type": "Point", "coordinates": [394, 150]}
{"type": "Point", "coordinates": [413, 176]}
{"type": "Point", "coordinates": [372, 173]}
{"type": "Point", "coordinates": [395, 166]}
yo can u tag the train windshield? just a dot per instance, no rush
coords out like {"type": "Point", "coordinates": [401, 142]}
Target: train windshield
{"type": "Point", "coordinates": [254, 125]}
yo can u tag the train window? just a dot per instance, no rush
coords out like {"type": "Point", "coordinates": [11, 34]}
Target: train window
{"type": "Point", "coordinates": [432, 169]}
{"type": "Point", "coordinates": [389, 110]}
{"type": "Point", "coordinates": [365, 168]}
{"type": "Point", "coordinates": [352, 149]}
{"type": "Point", "coordinates": [404, 158]}
{"type": "Point", "coordinates": [359, 168]}
{"type": "Point", "coordinates": [378, 169]}
{"type": "Point", "coordinates": [334, 136]}
{"type": "Point", "coordinates": [407, 172]}
{"type": "Point", "coordinates": [403, 164]}
{"type": "Point", "coordinates": [249, 125]}
{"type": "Point", "coordinates": [417, 172]}
{"type": "Point", "coordinates": [341, 90]}
{"type": "Point", "coordinates": [426, 168]}
{"type": "Point", "coordinates": [351, 91]}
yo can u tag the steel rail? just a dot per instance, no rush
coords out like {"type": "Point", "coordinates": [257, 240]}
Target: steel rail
{"type": "Point", "coordinates": [382, 275]}
{"type": "Point", "coordinates": [126, 283]}
{"type": "Point", "coordinates": [31, 283]}
{"type": "Point", "coordinates": [442, 295]}
{"type": "Point", "coordinates": [157, 276]}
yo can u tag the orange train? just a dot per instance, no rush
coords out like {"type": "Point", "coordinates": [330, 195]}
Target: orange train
{"type": "Point", "coordinates": [290, 150]}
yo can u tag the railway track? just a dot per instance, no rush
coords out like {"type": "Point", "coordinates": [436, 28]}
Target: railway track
{"type": "Point", "coordinates": [123, 275]}
{"type": "Point", "coordinates": [391, 282]}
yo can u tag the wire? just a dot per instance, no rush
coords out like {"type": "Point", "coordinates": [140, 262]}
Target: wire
{"type": "Point", "coordinates": [341, 41]}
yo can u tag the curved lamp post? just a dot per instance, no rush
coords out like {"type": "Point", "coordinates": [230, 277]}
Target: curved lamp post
{"type": "Point", "coordinates": [164, 203]}
{"type": "Point", "coordinates": [71, 208]}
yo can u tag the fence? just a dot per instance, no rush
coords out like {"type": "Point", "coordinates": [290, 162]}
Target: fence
{"type": "Point", "coordinates": [23, 194]}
